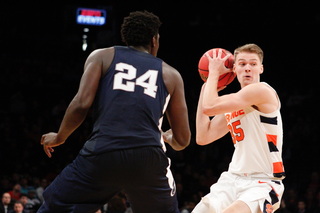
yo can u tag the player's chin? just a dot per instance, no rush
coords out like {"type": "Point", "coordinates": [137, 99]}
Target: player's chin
{"type": "Point", "coordinates": [247, 79]}
{"type": "Point", "coordinates": [246, 82]}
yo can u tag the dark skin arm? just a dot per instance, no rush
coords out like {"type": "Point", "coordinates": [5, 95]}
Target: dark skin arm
{"type": "Point", "coordinates": [78, 108]}
{"type": "Point", "coordinates": [178, 137]}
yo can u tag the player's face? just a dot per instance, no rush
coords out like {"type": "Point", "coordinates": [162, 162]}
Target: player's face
{"type": "Point", "coordinates": [248, 68]}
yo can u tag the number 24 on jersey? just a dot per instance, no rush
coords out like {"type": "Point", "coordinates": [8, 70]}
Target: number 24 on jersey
{"type": "Point", "coordinates": [127, 81]}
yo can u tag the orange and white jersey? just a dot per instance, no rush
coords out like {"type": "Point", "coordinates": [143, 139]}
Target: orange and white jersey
{"type": "Point", "coordinates": [257, 138]}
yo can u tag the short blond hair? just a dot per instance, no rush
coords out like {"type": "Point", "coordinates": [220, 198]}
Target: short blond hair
{"type": "Point", "coordinates": [250, 48]}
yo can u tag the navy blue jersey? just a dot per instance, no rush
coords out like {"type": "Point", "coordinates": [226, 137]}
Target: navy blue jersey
{"type": "Point", "coordinates": [130, 103]}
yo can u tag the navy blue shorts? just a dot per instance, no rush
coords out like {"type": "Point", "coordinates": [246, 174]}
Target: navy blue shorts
{"type": "Point", "coordinates": [89, 182]}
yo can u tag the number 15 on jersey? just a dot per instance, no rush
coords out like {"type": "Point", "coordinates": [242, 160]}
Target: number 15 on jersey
{"type": "Point", "coordinates": [236, 131]}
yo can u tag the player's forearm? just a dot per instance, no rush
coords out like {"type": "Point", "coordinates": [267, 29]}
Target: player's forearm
{"type": "Point", "coordinates": [202, 128]}
{"type": "Point", "coordinates": [210, 93]}
{"type": "Point", "coordinates": [72, 119]}
{"type": "Point", "coordinates": [178, 146]}
{"type": "Point", "coordinates": [183, 142]}
{"type": "Point", "coordinates": [202, 120]}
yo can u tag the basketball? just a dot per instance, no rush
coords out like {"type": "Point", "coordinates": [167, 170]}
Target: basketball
{"type": "Point", "coordinates": [203, 67]}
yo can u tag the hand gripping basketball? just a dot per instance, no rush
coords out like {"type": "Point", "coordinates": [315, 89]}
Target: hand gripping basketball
{"type": "Point", "coordinates": [203, 67]}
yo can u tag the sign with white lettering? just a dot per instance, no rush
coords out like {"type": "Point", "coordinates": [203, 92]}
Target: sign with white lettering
{"type": "Point", "coordinates": [89, 16]}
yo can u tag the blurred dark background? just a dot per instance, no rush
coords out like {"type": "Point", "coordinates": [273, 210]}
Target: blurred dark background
{"type": "Point", "coordinates": [42, 61]}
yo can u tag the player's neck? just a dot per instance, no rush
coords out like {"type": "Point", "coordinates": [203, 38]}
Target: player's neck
{"type": "Point", "coordinates": [140, 48]}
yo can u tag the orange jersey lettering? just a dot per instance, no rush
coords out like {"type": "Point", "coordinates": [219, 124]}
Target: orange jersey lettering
{"type": "Point", "coordinates": [234, 114]}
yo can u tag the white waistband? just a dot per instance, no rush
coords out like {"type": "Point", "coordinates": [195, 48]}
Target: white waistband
{"type": "Point", "coordinates": [258, 175]}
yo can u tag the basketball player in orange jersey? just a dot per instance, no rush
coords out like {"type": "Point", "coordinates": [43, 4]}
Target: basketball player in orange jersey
{"type": "Point", "coordinates": [253, 182]}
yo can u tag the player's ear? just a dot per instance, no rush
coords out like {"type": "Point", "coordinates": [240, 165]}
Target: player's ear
{"type": "Point", "coordinates": [154, 45]}
{"type": "Point", "coordinates": [155, 40]}
{"type": "Point", "coordinates": [261, 71]}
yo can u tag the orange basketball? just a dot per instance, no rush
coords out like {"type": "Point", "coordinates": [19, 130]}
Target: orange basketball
{"type": "Point", "coordinates": [203, 67]}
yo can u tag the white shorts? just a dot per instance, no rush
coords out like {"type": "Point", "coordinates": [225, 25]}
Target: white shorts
{"type": "Point", "coordinates": [260, 194]}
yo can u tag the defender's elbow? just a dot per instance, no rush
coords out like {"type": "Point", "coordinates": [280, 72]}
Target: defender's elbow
{"type": "Point", "coordinates": [186, 140]}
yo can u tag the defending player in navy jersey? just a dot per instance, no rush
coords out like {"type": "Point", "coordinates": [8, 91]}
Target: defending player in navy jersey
{"type": "Point", "coordinates": [129, 90]}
